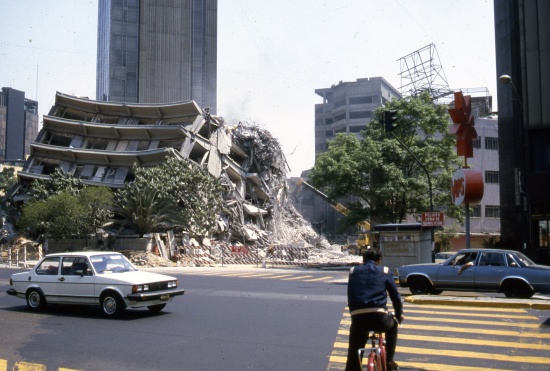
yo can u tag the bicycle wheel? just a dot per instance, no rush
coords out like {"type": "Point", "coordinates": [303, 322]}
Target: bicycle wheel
{"type": "Point", "coordinates": [373, 362]}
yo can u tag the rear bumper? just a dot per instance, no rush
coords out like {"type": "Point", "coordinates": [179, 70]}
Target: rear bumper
{"type": "Point", "coordinates": [152, 296]}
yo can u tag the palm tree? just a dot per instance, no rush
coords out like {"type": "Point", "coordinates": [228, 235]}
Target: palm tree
{"type": "Point", "coordinates": [145, 210]}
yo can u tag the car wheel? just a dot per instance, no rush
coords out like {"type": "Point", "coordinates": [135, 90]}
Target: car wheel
{"type": "Point", "coordinates": [111, 304]}
{"type": "Point", "coordinates": [420, 286]}
{"type": "Point", "coordinates": [35, 299]}
{"type": "Point", "coordinates": [517, 289]}
{"type": "Point", "coordinates": [156, 308]}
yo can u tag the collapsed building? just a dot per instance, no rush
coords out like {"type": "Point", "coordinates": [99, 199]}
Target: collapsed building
{"type": "Point", "coordinates": [99, 142]}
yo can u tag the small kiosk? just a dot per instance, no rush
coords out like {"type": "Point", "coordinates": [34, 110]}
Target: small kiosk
{"type": "Point", "coordinates": [402, 244]}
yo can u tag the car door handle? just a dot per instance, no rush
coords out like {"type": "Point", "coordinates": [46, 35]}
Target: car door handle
{"type": "Point", "coordinates": [61, 279]}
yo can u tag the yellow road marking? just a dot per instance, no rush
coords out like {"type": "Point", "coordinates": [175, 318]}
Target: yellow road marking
{"type": "Point", "coordinates": [468, 314]}
{"type": "Point", "coordinates": [438, 319]}
{"type": "Point", "coordinates": [469, 309]}
{"type": "Point", "coordinates": [453, 340]}
{"type": "Point", "coordinates": [3, 365]}
{"type": "Point", "coordinates": [26, 366]}
{"type": "Point", "coordinates": [427, 366]}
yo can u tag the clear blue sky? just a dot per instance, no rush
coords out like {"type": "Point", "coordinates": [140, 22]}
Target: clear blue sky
{"type": "Point", "coordinates": [272, 54]}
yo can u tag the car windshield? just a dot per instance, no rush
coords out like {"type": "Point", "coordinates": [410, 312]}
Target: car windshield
{"type": "Point", "coordinates": [111, 263]}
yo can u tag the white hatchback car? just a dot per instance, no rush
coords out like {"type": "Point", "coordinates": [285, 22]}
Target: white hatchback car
{"type": "Point", "coordinates": [101, 278]}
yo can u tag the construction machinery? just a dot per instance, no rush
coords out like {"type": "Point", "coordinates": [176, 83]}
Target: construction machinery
{"type": "Point", "coordinates": [362, 243]}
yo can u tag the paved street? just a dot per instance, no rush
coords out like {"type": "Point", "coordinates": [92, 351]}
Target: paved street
{"type": "Point", "coordinates": [273, 319]}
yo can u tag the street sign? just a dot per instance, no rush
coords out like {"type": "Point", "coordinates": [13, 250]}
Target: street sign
{"type": "Point", "coordinates": [433, 219]}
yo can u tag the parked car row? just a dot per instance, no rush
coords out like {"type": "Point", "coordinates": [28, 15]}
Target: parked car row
{"type": "Point", "coordinates": [106, 279]}
{"type": "Point", "coordinates": [489, 270]}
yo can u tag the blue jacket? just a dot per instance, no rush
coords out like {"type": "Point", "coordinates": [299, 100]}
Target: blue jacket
{"type": "Point", "coordinates": [368, 287]}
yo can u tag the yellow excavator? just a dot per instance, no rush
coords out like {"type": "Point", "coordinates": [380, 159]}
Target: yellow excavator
{"type": "Point", "coordinates": [362, 243]}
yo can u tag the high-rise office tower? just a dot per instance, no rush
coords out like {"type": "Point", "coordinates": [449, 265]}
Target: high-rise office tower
{"type": "Point", "coordinates": [18, 125]}
{"type": "Point", "coordinates": [157, 51]}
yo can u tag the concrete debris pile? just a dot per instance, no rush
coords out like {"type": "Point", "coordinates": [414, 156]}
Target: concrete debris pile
{"type": "Point", "coordinates": [98, 142]}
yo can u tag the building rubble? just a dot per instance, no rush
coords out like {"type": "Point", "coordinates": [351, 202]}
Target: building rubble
{"type": "Point", "coordinates": [98, 142]}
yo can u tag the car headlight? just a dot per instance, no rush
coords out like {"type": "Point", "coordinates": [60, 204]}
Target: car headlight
{"type": "Point", "coordinates": [140, 288]}
{"type": "Point", "coordinates": [172, 284]}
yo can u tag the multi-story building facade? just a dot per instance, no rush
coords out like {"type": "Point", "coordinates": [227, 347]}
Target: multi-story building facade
{"type": "Point", "coordinates": [18, 125]}
{"type": "Point", "coordinates": [157, 51]}
{"type": "Point", "coordinates": [348, 107]}
{"type": "Point", "coordinates": [523, 67]}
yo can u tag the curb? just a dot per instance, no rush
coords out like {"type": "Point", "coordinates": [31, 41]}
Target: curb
{"type": "Point", "coordinates": [480, 302]}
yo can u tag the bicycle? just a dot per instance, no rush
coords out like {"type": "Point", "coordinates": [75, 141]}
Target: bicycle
{"type": "Point", "coordinates": [376, 360]}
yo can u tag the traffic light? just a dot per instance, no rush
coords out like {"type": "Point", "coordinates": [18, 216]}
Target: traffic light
{"type": "Point", "coordinates": [390, 117]}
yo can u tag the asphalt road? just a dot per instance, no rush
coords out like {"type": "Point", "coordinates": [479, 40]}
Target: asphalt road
{"type": "Point", "coordinates": [221, 323]}
{"type": "Point", "coordinates": [232, 318]}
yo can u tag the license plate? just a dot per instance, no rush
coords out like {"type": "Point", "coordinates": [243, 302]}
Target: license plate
{"type": "Point", "coordinates": [165, 297]}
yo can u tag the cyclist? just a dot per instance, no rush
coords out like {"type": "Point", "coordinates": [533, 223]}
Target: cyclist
{"type": "Point", "coordinates": [368, 287]}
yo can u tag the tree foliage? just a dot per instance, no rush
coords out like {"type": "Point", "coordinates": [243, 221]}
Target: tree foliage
{"type": "Point", "coordinates": [65, 215]}
{"type": "Point", "coordinates": [7, 179]}
{"type": "Point", "coordinates": [176, 194]}
{"type": "Point", "coordinates": [58, 182]}
{"type": "Point", "coordinates": [378, 177]}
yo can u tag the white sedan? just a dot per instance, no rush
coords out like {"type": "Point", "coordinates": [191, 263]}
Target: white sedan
{"type": "Point", "coordinates": [101, 278]}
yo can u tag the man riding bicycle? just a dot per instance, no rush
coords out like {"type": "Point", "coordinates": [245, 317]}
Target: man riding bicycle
{"type": "Point", "coordinates": [368, 287]}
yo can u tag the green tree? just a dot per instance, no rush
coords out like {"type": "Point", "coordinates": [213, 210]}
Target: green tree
{"type": "Point", "coordinates": [194, 196]}
{"type": "Point", "coordinates": [65, 215]}
{"type": "Point", "coordinates": [58, 182]}
{"type": "Point", "coordinates": [7, 179]}
{"type": "Point", "coordinates": [145, 209]}
{"type": "Point", "coordinates": [381, 180]}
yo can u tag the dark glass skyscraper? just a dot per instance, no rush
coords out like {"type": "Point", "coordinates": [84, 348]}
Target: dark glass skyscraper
{"type": "Point", "coordinates": [152, 51]}
{"type": "Point", "coordinates": [522, 33]}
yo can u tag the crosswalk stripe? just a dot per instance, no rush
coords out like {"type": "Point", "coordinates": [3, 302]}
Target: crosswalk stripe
{"type": "Point", "coordinates": [318, 279]}
{"type": "Point", "coordinates": [26, 366]}
{"type": "Point", "coordinates": [425, 366]}
{"type": "Point", "coordinates": [521, 334]}
{"type": "Point", "coordinates": [3, 365]}
{"type": "Point", "coordinates": [439, 319]}
{"type": "Point", "coordinates": [483, 315]}
{"type": "Point", "coordinates": [295, 278]}
{"type": "Point", "coordinates": [453, 340]}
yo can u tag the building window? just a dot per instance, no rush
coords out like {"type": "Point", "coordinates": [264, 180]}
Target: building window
{"type": "Point", "coordinates": [340, 102]}
{"type": "Point", "coordinates": [491, 177]}
{"type": "Point", "coordinates": [329, 121]}
{"type": "Point", "coordinates": [329, 133]}
{"type": "Point", "coordinates": [475, 211]}
{"type": "Point", "coordinates": [476, 143]}
{"type": "Point", "coordinates": [491, 143]}
{"type": "Point", "coordinates": [492, 211]}
{"type": "Point", "coordinates": [359, 115]}
{"type": "Point", "coordinates": [340, 117]}
{"type": "Point", "coordinates": [360, 100]}
{"type": "Point", "coordinates": [357, 129]}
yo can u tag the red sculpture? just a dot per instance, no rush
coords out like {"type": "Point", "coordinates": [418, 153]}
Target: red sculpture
{"type": "Point", "coordinates": [463, 125]}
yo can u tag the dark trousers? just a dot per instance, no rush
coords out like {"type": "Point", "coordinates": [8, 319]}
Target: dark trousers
{"type": "Point", "coordinates": [361, 324]}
